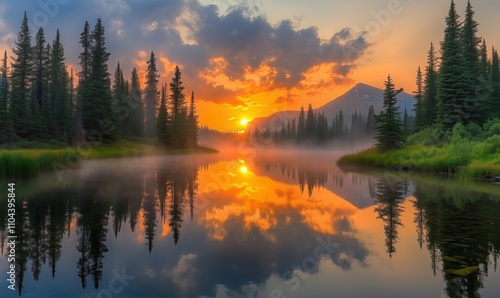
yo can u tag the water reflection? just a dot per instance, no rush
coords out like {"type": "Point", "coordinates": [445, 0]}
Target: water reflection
{"type": "Point", "coordinates": [389, 195]}
{"type": "Point", "coordinates": [465, 231]}
{"type": "Point", "coordinates": [195, 227]}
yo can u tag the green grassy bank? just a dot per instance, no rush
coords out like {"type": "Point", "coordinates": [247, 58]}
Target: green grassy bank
{"type": "Point", "coordinates": [27, 162]}
{"type": "Point", "coordinates": [467, 152]}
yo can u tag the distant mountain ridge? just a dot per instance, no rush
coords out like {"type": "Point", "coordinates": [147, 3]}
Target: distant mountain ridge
{"type": "Point", "coordinates": [358, 98]}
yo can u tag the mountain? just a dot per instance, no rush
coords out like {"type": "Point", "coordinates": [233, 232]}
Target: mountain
{"type": "Point", "coordinates": [359, 98]}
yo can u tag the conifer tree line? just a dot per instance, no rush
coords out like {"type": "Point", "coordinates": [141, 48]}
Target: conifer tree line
{"type": "Point", "coordinates": [315, 128]}
{"type": "Point", "coordinates": [462, 85]}
{"type": "Point", "coordinates": [40, 100]}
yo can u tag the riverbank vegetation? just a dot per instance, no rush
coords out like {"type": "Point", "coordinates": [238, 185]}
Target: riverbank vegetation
{"type": "Point", "coordinates": [467, 151]}
{"type": "Point", "coordinates": [457, 126]}
{"type": "Point", "coordinates": [46, 112]}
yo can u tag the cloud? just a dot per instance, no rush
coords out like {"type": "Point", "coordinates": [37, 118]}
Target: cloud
{"type": "Point", "coordinates": [258, 56]}
{"type": "Point", "coordinates": [284, 100]}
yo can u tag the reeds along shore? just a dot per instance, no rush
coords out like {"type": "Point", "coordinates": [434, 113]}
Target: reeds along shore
{"type": "Point", "coordinates": [24, 163]}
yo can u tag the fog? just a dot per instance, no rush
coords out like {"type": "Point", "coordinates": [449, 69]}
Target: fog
{"type": "Point", "coordinates": [229, 146]}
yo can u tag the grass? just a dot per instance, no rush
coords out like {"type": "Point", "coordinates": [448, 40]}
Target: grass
{"type": "Point", "coordinates": [465, 160]}
{"type": "Point", "coordinates": [129, 149]}
{"type": "Point", "coordinates": [18, 162]}
{"type": "Point", "coordinates": [469, 152]}
{"type": "Point", "coordinates": [27, 163]}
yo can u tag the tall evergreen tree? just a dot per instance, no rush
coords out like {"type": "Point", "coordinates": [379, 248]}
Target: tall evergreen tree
{"type": "Point", "coordinates": [310, 122]}
{"type": "Point", "coordinates": [87, 43]}
{"type": "Point", "coordinates": [136, 107]}
{"type": "Point", "coordinates": [7, 133]}
{"type": "Point", "coordinates": [192, 123]}
{"type": "Point", "coordinates": [161, 122]}
{"type": "Point", "coordinates": [41, 64]}
{"type": "Point", "coordinates": [430, 100]}
{"type": "Point", "coordinates": [484, 64]}
{"type": "Point", "coordinates": [406, 122]}
{"type": "Point", "coordinates": [98, 114]}
{"type": "Point", "coordinates": [119, 96]}
{"type": "Point", "coordinates": [419, 96]}
{"type": "Point", "coordinates": [486, 108]}
{"type": "Point", "coordinates": [370, 121]}
{"type": "Point", "coordinates": [71, 107]}
{"type": "Point", "coordinates": [21, 79]}
{"type": "Point", "coordinates": [453, 81]}
{"type": "Point", "coordinates": [41, 58]}
{"type": "Point", "coordinates": [495, 81]}
{"type": "Point", "coordinates": [301, 126]}
{"type": "Point", "coordinates": [151, 96]}
{"type": "Point", "coordinates": [340, 124]}
{"type": "Point", "coordinates": [179, 110]}
{"type": "Point", "coordinates": [58, 90]}
{"type": "Point", "coordinates": [470, 47]}
{"type": "Point", "coordinates": [390, 134]}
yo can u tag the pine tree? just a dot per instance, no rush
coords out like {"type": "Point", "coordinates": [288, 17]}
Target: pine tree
{"type": "Point", "coordinates": [484, 64]}
{"type": "Point", "coordinates": [83, 89]}
{"type": "Point", "coordinates": [370, 121]}
{"type": "Point", "coordinates": [98, 114]}
{"type": "Point", "coordinates": [301, 126]}
{"type": "Point", "coordinates": [119, 106]}
{"type": "Point", "coordinates": [430, 100]}
{"type": "Point", "coordinates": [470, 47]}
{"type": "Point", "coordinates": [179, 113]}
{"type": "Point", "coordinates": [21, 79]}
{"type": "Point", "coordinates": [151, 96]}
{"type": "Point", "coordinates": [340, 124]}
{"type": "Point", "coordinates": [406, 122]}
{"type": "Point", "coordinates": [486, 108]}
{"type": "Point", "coordinates": [40, 64]}
{"type": "Point", "coordinates": [310, 123]}
{"type": "Point", "coordinates": [192, 124]}
{"type": "Point", "coordinates": [495, 80]}
{"type": "Point", "coordinates": [418, 108]}
{"type": "Point", "coordinates": [161, 122]}
{"type": "Point", "coordinates": [7, 133]}
{"type": "Point", "coordinates": [58, 90]}
{"type": "Point", "coordinates": [453, 81]}
{"type": "Point", "coordinates": [137, 108]}
{"type": "Point", "coordinates": [71, 107]}
{"type": "Point", "coordinates": [390, 134]}
{"type": "Point", "coordinates": [40, 87]}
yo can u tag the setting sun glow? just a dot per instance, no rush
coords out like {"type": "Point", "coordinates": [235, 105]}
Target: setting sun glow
{"type": "Point", "coordinates": [244, 169]}
{"type": "Point", "coordinates": [244, 122]}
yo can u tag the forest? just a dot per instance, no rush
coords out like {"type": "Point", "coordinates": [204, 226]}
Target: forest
{"type": "Point", "coordinates": [457, 125]}
{"type": "Point", "coordinates": [41, 101]}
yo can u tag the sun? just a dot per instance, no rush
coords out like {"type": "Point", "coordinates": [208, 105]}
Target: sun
{"type": "Point", "coordinates": [243, 169]}
{"type": "Point", "coordinates": [244, 122]}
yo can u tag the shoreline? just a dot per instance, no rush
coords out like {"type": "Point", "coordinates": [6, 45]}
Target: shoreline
{"type": "Point", "coordinates": [428, 159]}
{"type": "Point", "coordinates": [21, 163]}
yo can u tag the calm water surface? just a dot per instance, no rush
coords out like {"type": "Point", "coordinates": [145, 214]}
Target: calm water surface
{"type": "Point", "coordinates": [286, 225]}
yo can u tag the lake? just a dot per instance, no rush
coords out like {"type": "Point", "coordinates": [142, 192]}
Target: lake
{"type": "Point", "coordinates": [271, 225]}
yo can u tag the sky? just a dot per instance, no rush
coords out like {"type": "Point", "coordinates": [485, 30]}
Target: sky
{"type": "Point", "coordinates": [247, 59]}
